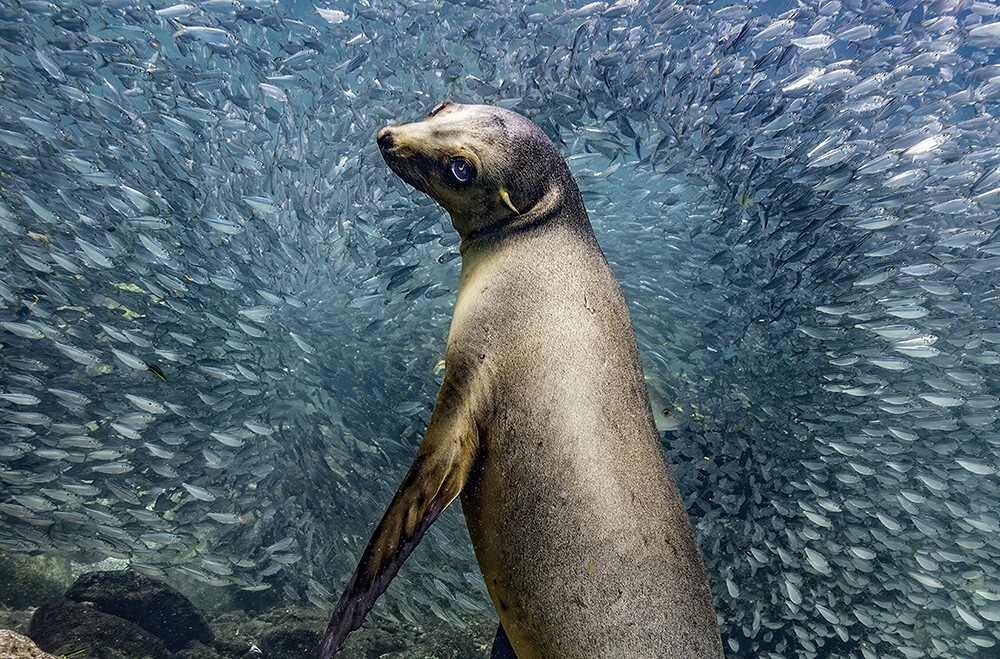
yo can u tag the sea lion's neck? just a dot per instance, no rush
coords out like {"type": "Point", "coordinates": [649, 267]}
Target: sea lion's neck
{"type": "Point", "coordinates": [561, 207]}
{"type": "Point", "coordinates": [526, 238]}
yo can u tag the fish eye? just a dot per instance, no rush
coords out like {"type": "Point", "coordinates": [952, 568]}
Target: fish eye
{"type": "Point", "coordinates": [462, 170]}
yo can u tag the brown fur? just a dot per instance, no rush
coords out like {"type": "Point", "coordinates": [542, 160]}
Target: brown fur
{"type": "Point", "coordinates": [543, 422]}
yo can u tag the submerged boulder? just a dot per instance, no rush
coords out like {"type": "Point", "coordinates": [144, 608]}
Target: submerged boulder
{"type": "Point", "coordinates": [150, 604]}
{"type": "Point", "coordinates": [65, 627]}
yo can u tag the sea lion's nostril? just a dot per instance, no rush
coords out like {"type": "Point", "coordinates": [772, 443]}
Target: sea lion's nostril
{"type": "Point", "coordinates": [384, 139]}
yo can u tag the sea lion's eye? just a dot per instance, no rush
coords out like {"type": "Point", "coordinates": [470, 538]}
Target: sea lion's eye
{"type": "Point", "coordinates": [462, 170]}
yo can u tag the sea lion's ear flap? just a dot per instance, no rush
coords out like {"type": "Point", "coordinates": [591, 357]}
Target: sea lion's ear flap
{"type": "Point", "coordinates": [505, 198]}
{"type": "Point", "coordinates": [436, 478]}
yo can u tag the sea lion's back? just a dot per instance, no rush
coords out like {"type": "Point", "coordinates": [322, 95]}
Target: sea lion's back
{"type": "Point", "coordinates": [573, 466]}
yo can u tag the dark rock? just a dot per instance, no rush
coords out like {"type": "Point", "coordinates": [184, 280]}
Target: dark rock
{"type": "Point", "coordinates": [238, 634]}
{"type": "Point", "coordinates": [290, 641]}
{"type": "Point", "coordinates": [151, 604]}
{"type": "Point", "coordinates": [231, 648]}
{"type": "Point", "coordinates": [235, 631]}
{"type": "Point", "coordinates": [198, 650]}
{"type": "Point", "coordinates": [379, 646]}
{"type": "Point", "coordinates": [65, 627]}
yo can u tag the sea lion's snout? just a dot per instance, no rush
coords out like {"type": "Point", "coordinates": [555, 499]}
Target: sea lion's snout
{"type": "Point", "coordinates": [397, 143]}
{"type": "Point", "coordinates": [398, 153]}
{"type": "Point", "coordinates": [390, 146]}
{"type": "Point", "coordinates": [385, 139]}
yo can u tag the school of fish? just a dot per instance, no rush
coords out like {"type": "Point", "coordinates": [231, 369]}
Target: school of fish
{"type": "Point", "coordinates": [222, 319]}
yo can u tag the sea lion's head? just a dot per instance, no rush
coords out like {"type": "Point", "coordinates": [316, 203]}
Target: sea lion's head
{"type": "Point", "coordinates": [485, 165]}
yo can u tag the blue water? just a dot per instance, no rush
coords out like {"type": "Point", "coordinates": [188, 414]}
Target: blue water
{"type": "Point", "coordinates": [799, 199]}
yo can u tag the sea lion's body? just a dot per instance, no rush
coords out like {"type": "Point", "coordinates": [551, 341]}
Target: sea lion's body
{"type": "Point", "coordinates": [579, 530]}
{"type": "Point", "coordinates": [543, 423]}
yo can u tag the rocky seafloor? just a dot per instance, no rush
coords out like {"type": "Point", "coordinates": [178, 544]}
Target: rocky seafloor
{"type": "Point", "coordinates": [122, 614]}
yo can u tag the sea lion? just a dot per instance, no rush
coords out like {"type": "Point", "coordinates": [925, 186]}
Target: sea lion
{"type": "Point", "coordinates": [542, 424]}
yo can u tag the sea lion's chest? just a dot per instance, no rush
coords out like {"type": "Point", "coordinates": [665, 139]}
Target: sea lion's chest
{"type": "Point", "coordinates": [532, 299]}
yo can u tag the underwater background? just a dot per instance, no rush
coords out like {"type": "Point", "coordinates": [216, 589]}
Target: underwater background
{"type": "Point", "coordinates": [223, 319]}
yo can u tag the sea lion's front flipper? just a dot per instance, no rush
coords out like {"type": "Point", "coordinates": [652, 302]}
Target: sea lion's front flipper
{"type": "Point", "coordinates": [435, 479]}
